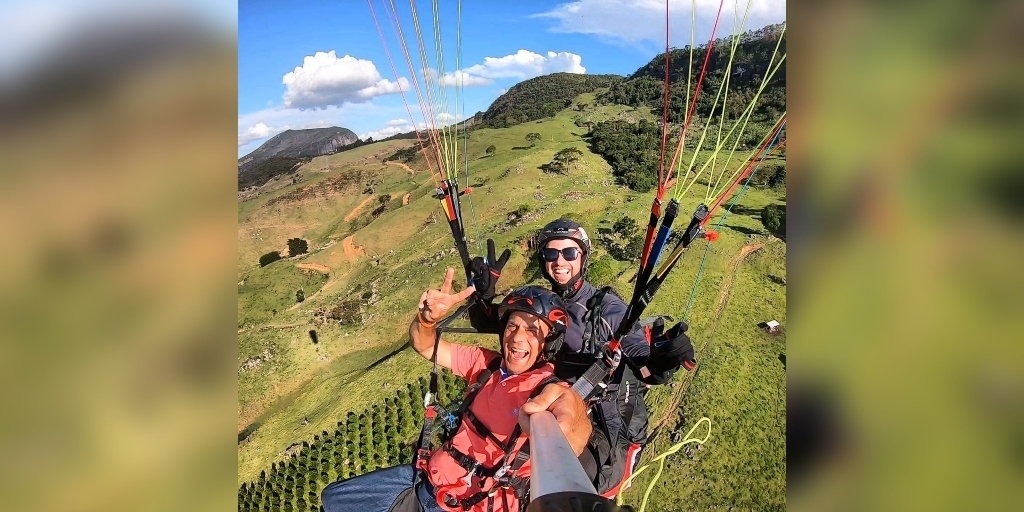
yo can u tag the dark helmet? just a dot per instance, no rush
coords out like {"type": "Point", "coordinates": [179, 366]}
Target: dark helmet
{"type": "Point", "coordinates": [542, 304]}
{"type": "Point", "coordinates": [564, 229]}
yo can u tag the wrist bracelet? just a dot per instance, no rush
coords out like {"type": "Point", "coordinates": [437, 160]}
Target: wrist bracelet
{"type": "Point", "coordinates": [423, 321]}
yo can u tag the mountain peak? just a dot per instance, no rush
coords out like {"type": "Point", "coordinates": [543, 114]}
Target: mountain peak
{"type": "Point", "coordinates": [308, 142]}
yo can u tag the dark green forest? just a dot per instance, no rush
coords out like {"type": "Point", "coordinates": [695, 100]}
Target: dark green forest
{"type": "Point", "coordinates": [633, 150]}
{"type": "Point", "coordinates": [542, 97]}
{"type": "Point", "coordinates": [750, 64]}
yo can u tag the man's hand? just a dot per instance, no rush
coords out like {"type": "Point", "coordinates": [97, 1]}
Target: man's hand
{"type": "Point", "coordinates": [669, 351]}
{"type": "Point", "coordinates": [486, 272]}
{"type": "Point", "coordinates": [434, 304]}
{"type": "Point", "coordinates": [568, 409]}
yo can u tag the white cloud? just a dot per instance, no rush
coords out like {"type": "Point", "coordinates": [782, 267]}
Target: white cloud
{"type": "Point", "coordinates": [324, 80]}
{"type": "Point", "coordinates": [445, 117]}
{"type": "Point", "coordinates": [463, 79]}
{"type": "Point", "coordinates": [635, 21]}
{"type": "Point", "coordinates": [397, 122]}
{"type": "Point", "coordinates": [526, 64]}
{"type": "Point", "coordinates": [255, 132]}
{"type": "Point", "coordinates": [385, 132]}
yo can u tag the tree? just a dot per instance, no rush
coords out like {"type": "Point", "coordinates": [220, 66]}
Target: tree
{"type": "Point", "coordinates": [490, 150]}
{"type": "Point", "coordinates": [626, 226]}
{"type": "Point", "coordinates": [563, 160]}
{"type": "Point", "coordinates": [532, 138]}
{"type": "Point", "coordinates": [269, 258]}
{"type": "Point", "coordinates": [297, 246]}
{"type": "Point", "coordinates": [773, 217]}
{"type": "Point", "coordinates": [300, 295]}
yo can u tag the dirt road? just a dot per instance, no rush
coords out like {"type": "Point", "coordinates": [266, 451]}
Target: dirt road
{"type": "Point", "coordinates": [355, 211]}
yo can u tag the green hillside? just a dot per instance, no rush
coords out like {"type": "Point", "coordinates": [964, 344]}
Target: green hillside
{"type": "Point", "coordinates": [310, 411]}
{"type": "Point", "coordinates": [540, 97]}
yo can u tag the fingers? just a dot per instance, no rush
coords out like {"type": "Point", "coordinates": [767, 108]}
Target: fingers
{"type": "Point", "coordinates": [569, 411]}
{"type": "Point", "coordinates": [503, 259]}
{"type": "Point", "coordinates": [446, 288]}
{"type": "Point", "coordinates": [490, 250]}
{"type": "Point", "coordinates": [547, 396]}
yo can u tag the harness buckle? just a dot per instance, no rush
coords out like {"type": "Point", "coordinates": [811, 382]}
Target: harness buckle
{"type": "Point", "coordinates": [468, 479]}
{"type": "Point", "coordinates": [501, 472]}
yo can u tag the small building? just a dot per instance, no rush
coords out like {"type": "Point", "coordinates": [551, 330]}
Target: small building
{"type": "Point", "coordinates": [772, 327]}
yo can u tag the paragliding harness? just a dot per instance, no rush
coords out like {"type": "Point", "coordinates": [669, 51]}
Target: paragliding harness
{"type": "Point", "coordinates": [615, 387]}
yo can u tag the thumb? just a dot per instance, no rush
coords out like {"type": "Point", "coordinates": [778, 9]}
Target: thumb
{"type": "Point", "coordinates": [464, 294]}
{"type": "Point", "coordinates": [542, 401]}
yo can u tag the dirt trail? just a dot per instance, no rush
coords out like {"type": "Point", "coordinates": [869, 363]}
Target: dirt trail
{"type": "Point", "coordinates": [405, 199]}
{"type": "Point", "coordinates": [723, 297]}
{"type": "Point", "coordinates": [323, 269]}
{"type": "Point", "coordinates": [400, 164]}
{"type": "Point", "coordinates": [355, 211]}
{"type": "Point", "coordinates": [352, 252]}
{"type": "Point", "coordinates": [734, 264]}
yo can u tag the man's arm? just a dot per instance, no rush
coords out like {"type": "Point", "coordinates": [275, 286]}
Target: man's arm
{"type": "Point", "coordinates": [432, 307]}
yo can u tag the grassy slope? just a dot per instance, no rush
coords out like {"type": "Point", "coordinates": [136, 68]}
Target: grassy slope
{"type": "Point", "coordinates": [740, 383]}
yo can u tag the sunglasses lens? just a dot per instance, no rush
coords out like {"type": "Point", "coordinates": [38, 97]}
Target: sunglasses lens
{"type": "Point", "coordinates": [569, 253]}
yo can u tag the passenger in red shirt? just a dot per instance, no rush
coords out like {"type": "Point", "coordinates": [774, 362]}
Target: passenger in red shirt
{"type": "Point", "coordinates": [484, 466]}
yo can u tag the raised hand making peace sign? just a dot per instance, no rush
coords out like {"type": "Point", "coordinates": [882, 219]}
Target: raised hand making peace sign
{"type": "Point", "coordinates": [434, 304]}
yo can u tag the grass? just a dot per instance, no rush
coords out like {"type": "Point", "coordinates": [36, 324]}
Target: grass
{"type": "Point", "coordinates": [306, 388]}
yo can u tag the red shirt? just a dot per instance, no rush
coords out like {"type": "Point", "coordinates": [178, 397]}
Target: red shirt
{"type": "Point", "coordinates": [497, 406]}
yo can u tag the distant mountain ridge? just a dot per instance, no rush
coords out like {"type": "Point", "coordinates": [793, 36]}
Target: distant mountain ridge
{"type": "Point", "coordinates": [310, 142]}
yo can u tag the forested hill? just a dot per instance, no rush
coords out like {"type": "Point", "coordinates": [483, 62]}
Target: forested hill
{"type": "Point", "coordinates": [749, 66]}
{"type": "Point", "coordinates": [542, 97]}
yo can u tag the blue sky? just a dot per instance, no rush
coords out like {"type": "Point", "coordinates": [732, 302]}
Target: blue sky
{"type": "Point", "coordinates": [306, 64]}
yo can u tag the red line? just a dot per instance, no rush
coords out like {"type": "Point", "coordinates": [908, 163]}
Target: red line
{"type": "Point", "coordinates": [751, 165]}
{"type": "Point", "coordinates": [700, 84]}
{"type": "Point", "coordinates": [404, 100]}
{"type": "Point", "coordinates": [428, 120]}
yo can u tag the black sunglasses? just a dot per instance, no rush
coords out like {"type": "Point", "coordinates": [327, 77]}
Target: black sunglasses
{"type": "Point", "coordinates": [569, 253]}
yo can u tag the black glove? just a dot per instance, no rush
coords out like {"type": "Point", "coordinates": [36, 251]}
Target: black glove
{"type": "Point", "coordinates": [486, 272]}
{"type": "Point", "coordinates": [669, 351]}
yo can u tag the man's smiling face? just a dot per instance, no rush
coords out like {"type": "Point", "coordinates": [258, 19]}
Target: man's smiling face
{"type": "Point", "coordinates": [562, 270]}
{"type": "Point", "coordinates": [522, 341]}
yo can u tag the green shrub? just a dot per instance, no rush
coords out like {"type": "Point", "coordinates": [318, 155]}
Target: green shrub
{"type": "Point", "coordinates": [297, 246]}
{"type": "Point", "coordinates": [601, 272]}
{"type": "Point", "coordinates": [773, 217]}
{"type": "Point", "coordinates": [269, 258]}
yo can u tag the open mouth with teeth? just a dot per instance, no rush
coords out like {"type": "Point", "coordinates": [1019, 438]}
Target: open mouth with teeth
{"type": "Point", "coordinates": [517, 354]}
{"type": "Point", "coordinates": [562, 272]}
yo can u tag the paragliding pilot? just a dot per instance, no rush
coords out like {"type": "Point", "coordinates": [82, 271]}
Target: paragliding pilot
{"type": "Point", "coordinates": [485, 465]}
